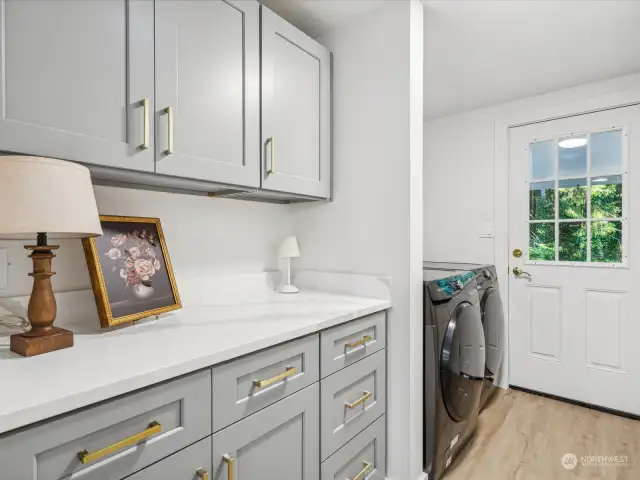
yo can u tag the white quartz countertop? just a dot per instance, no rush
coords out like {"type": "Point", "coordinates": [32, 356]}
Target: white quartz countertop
{"type": "Point", "coordinates": [103, 365]}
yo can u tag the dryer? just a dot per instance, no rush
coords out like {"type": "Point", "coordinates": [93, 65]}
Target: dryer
{"type": "Point", "coordinates": [454, 362]}
{"type": "Point", "coordinates": [492, 319]}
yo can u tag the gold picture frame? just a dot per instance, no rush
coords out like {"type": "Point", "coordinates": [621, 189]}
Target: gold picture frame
{"type": "Point", "coordinates": [134, 253]}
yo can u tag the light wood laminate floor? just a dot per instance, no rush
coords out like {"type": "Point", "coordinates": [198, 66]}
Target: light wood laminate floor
{"type": "Point", "coordinates": [524, 436]}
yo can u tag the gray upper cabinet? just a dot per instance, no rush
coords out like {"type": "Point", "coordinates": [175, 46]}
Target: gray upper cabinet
{"type": "Point", "coordinates": [207, 90]}
{"type": "Point", "coordinates": [296, 104]}
{"type": "Point", "coordinates": [75, 77]}
{"type": "Point", "coordinates": [279, 442]}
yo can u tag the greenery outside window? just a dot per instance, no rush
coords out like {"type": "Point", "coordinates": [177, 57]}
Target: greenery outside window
{"type": "Point", "coordinates": [576, 199]}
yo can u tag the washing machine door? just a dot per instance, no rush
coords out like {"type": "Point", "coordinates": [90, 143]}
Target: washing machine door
{"type": "Point", "coordinates": [493, 324]}
{"type": "Point", "coordinates": [462, 362]}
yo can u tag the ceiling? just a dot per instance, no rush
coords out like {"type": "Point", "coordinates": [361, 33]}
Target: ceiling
{"type": "Point", "coordinates": [485, 52]}
{"type": "Point", "coordinates": [481, 53]}
{"type": "Point", "coordinates": [317, 17]}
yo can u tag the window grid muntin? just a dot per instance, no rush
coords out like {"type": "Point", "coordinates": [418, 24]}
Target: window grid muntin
{"type": "Point", "coordinates": [622, 172]}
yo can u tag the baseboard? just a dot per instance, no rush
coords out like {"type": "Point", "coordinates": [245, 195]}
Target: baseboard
{"type": "Point", "coordinates": [611, 411]}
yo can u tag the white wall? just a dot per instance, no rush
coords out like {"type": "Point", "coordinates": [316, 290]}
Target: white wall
{"type": "Point", "coordinates": [459, 168]}
{"type": "Point", "coordinates": [374, 224]}
{"type": "Point", "coordinates": [204, 236]}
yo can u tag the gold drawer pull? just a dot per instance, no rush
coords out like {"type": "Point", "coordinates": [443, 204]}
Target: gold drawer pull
{"type": "Point", "coordinates": [145, 124]}
{"type": "Point", "coordinates": [357, 343]}
{"type": "Point", "coordinates": [229, 460]}
{"type": "Point", "coordinates": [202, 474]}
{"type": "Point", "coordinates": [86, 457]}
{"type": "Point", "coordinates": [363, 472]}
{"type": "Point", "coordinates": [362, 399]}
{"type": "Point", "coordinates": [290, 371]}
{"type": "Point", "coordinates": [169, 112]}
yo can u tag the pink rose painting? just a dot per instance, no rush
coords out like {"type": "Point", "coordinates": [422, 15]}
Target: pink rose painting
{"type": "Point", "coordinates": [135, 273]}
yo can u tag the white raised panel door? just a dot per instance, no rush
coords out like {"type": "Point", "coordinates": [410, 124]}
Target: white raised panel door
{"type": "Point", "coordinates": [75, 75]}
{"type": "Point", "coordinates": [207, 73]}
{"type": "Point", "coordinates": [296, 105]}
{"type": "Point", "coordinates": [573, 211]}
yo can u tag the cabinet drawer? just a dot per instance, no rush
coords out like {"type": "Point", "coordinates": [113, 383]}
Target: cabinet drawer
{"type": "Point", "coordinates": [346, 344]}
{"type": "Point", "coordinates": [277, 443]}
{"type": "Point", "coordinates": [350, 400]}
{"type": "Point", "coordinates": [284, 369]}
{"type": "Point", "coordinates": [366, 451]}
{"type": "Point", "coordinates": [192, 463]}
{"type": "Point", "coordinates": [50, 451]}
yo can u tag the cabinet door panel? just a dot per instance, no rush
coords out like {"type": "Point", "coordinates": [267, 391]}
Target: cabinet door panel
{"type": "Point", "coordinates": [192, 463]}
{"type": "Point", "coordinates": [74, 75]}
{"type": "Point", "coordinates": [295, 110]}
{"type": "Point", "coordinates": [207, 65]}
{"type": "Point", "coordinates": [280, 441]}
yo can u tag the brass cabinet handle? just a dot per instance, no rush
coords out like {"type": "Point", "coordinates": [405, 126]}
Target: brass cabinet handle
{"type": "Point", "coordinates": [357, 343]}
{"type": "Point", "coordinates": [272, 163]}
{"type": "Point", "coordinates": [362, 472]}
{"type": "Point", "coordinates": [229, 460]}
{"type": "Point", "coordinates": [290, 371]}
{"type": "Point", "coordinates": [86, 457]}
{"type": "Point", "coordinates": [362, 399]}
{"type": "Point", "coordinates": [145, 124]}
{"type": "Point", "coordinates": [169, 112]}
{"type": "Point", "coordinates": [202, 474]}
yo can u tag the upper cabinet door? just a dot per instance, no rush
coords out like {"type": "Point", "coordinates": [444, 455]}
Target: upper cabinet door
{"type": "Point", "coordinates": [296, 110]}
{"type": "Point", "coordinates": [207, 90]}
{"type": "Point", "coordinates": [77, 80]}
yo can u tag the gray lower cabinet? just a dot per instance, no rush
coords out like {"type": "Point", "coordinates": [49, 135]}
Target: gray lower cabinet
{"type": "Point", "coordinates": [78, 80]}
{"type": "Point", "coordinates": [115, 439]}
{"type": "Point", "coordinates": [207, 55]}
{"type": "Point", "coordinates": [279, 442]}
{"type": "Point", "coordinates": [296, 104]}
{"type": "Point", "coordinates": [192, 463]}
{"type": "Point", "coordinates": [251, 383]}
{"type": "Point", "coordinates": [362, 458]}
{"type": "Point", "coordinates": [350, 400]}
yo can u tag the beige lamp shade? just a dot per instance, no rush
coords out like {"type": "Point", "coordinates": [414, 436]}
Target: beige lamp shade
{"type": "Point", "coordinates": [289, 248]}
{"type": "Point", "coordinates": [46, 195]}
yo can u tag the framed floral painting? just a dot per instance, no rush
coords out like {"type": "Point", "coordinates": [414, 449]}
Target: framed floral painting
{"type": "Point", "coordinates": [130, 270]}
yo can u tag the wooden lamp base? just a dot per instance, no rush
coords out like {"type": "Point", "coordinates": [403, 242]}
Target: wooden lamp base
{"type": "Point", "coordinates": [43, 336]}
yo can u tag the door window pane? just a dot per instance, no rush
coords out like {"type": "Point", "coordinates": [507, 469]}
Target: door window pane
{"type": "Point", "coordinates": [606, 152]}
{"type": "Point", "coordinates": [572, 157]}
{"type": "Point", "coordinates": [543, 159]}
{"type": "Point", "coordinates": [572, 246]}
{"type": "Point", "coordinates": [542, 201]}
{"type": "Point", "coordinates": [606, 242]}
{"type": "Point", "coordinates": [606, 196]}
{"type": "Point", "coordinates": [572, 198]}
{"type": "Point", "coordinates": [542, 240]}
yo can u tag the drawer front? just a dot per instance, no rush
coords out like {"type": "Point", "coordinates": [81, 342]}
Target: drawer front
{"type": "Point", "coordinates": [181, 410]}
{"type": "Point", "coordinates": [277, 443]}
{"type": "Point", "coordinates": [345, 344]}
{"type": "Point", "coordinates": [237, 396]}
{"type": "Point", "coordinates": [351, 399]}
{"type": "Point", "coordinates": [366, 452]}
{"type": "Point", "coordinates": [192, 463]}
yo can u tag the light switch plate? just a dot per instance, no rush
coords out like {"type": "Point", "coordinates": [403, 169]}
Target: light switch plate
{"type": "Point", "coordinates": [4, 262]}
{"type": "Point", "coordinates": [487, 230]}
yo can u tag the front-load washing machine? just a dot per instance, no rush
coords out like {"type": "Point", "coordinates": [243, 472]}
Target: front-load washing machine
{"type": "Point", "coordinates": [492, 319]}
{"type": "Point", "coordinates": [454, 360]}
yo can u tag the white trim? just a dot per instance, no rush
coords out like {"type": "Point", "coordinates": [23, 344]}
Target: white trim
{"type": "Point", "coordinates": [519, 117]}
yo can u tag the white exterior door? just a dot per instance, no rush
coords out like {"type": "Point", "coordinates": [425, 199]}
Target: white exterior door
{"type": "Point", "coordinates": [573, 306]}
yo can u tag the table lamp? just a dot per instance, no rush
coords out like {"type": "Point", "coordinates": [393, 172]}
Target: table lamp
{"type": "Point", "coordinates": [289, 249]}
{"type": "Point", "coordinates": [41, 196]}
